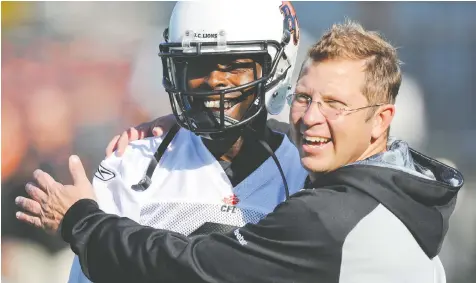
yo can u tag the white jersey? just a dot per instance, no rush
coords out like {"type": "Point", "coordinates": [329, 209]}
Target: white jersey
{"type": "Point", "coordinates": [189, 187]}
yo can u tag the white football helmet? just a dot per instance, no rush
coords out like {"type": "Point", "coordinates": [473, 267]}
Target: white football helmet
{"type": "Point", "coordinates": [217, 28]}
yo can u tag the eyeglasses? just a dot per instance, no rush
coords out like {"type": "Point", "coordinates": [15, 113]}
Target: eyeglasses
{"type": "Point", "coordinates": [300, 103]}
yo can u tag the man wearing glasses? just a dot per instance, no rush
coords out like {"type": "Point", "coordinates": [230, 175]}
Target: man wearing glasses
{"type": "Point", "coordinates": [374, 210]}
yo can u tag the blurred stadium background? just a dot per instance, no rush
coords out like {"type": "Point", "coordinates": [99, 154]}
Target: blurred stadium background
{"type": "Point", "coordinates": [74, 74]}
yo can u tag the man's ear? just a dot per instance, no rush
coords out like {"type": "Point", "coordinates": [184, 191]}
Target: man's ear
{"type": "Point", "coordinates": [382, 119]}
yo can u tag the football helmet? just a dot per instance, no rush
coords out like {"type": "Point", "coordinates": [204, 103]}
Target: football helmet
{"type": "Point", "coordinates": [199, 30]}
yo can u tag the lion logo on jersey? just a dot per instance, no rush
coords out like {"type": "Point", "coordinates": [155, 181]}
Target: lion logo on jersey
{"type": "Point", "coordinates": [290, 20]}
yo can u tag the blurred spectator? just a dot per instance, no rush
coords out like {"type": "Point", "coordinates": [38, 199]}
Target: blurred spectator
{"type": "Point", "coordinates": [58, 98]}
{"type": "Point", "coordinates": [409, 122]}
{"type": "Point", "coordinates": [14, 143]}
{"type": "Point", "coordinates": [48, 114]}
{"type": "Point", "coordinates": [145, 84]}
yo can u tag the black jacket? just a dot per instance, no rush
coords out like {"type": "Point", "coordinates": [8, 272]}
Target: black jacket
{"type": "Point", "coordinates": [380, 220]}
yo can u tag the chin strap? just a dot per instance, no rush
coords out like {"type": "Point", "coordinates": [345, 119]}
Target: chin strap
{"type": "Point", "coordinates": [145, 182]}
{"type": "Point", "coordinates": [253, 134]}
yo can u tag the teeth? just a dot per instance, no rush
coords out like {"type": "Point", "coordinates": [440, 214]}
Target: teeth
{"type": "Point", "coordinates": [316, 139]}
{"type": "Point", "coordinates": [216, 104]}
{"type": "Point", "coordinates": [212, 104]}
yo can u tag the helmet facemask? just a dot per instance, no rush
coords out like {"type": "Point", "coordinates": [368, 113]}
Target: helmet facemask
{"type": "Point", "coordinates": [212, 110]}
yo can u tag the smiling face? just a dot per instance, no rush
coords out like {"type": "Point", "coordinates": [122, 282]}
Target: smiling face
{"type": "Point", "coordinates": [352, 76]}
{"type": "Point", "coordinates": [327, 143]}
{"type": "Point", "coordinates": [207, 73]}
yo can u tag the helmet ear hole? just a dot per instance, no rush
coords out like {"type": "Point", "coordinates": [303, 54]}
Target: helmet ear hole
{"type": "Point", "coordinates": [165, 34]}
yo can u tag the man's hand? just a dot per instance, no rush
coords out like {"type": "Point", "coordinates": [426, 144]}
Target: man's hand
{"type": "Point", "coordinates": [50, 200]}
{"type": "Point", "coordinates": [153, 128]}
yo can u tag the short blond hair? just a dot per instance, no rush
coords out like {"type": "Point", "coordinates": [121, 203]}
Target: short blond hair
{"type": "Point", "coordinates": [351, 41]}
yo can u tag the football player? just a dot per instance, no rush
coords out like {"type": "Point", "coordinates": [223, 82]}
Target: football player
{"type": "Point", "coordinates": [220, 167]}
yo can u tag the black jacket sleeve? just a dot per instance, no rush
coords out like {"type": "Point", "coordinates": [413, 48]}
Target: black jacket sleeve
{"type": "Point", "coordinates": [289, 245]}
